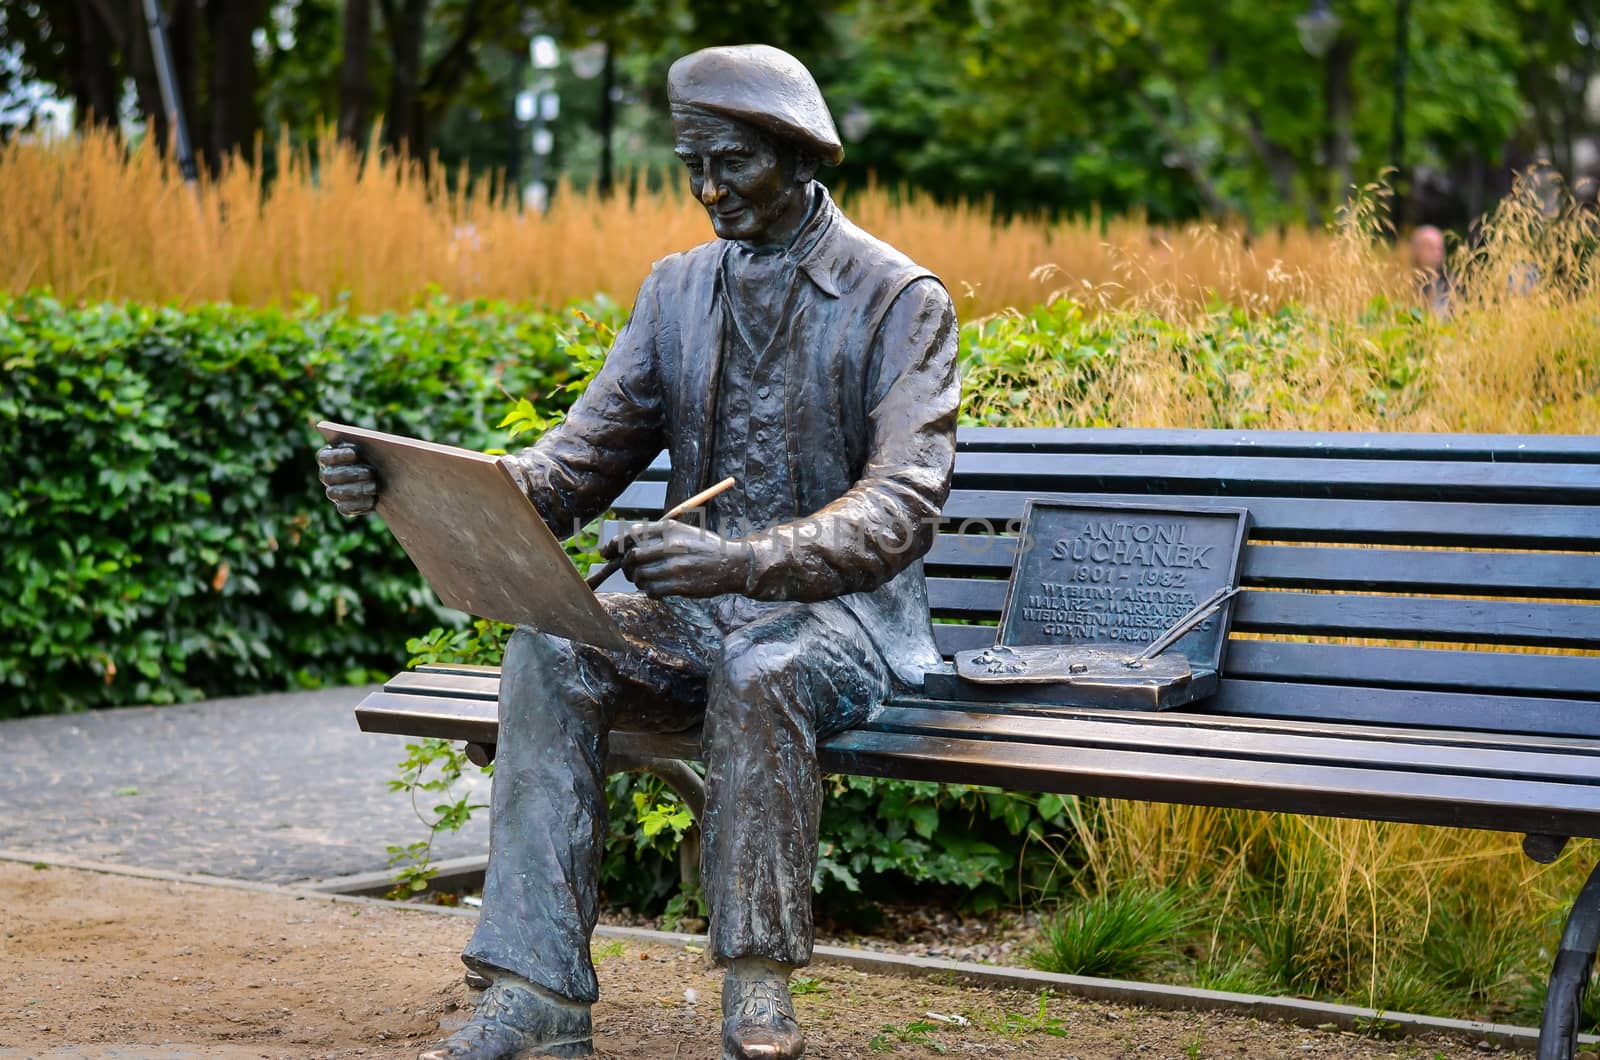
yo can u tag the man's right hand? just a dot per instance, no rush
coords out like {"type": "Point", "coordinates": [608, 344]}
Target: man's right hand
{"type": "Point", "coordinates": [351, 485]}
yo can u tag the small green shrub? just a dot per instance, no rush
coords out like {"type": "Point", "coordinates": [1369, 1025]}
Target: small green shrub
{"type": "Point", "coordinates": [1470, 952]}
{"type": "Point", "coordinates": [1026, 1024]}
{"type": "Point", "coordinates": [1114, 934]}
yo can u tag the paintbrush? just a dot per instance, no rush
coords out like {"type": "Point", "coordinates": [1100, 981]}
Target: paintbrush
{"type": "Point", "coordinates": [598, 577]}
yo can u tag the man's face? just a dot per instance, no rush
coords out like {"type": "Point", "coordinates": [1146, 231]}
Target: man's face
{"type": "Point", "coordinates": [747, 183]}
{"type": "Point", "coordinates": [1427, 249]}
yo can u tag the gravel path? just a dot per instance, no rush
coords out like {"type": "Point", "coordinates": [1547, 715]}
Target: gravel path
{"type": "Point", "coordinates": [274, 788]}
{"type": "Point", "coordinates": [101, 966]}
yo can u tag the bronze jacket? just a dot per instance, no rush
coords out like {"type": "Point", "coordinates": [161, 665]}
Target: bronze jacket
{"type": "Point", "coordinates": [869, 428]}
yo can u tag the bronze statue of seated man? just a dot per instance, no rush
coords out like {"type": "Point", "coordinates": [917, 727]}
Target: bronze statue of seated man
{"type": "Point", "coordinates": [817, 366]}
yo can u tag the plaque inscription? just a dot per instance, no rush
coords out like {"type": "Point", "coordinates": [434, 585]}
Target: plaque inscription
{"type": "Point", "coordinates": [1121, 574]}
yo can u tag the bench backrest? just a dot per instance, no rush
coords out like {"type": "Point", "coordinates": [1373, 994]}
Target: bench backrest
{"type": "Point", "coordinates": [1430, 580]}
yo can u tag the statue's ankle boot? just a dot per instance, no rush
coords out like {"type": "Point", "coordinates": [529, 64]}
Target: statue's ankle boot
{"type": "Point", "coordinates": [516, 1019]}
{"type": "Point", "coordinates": [758, 1021]}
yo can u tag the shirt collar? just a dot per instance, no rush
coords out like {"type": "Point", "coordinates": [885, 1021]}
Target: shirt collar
{"type": "Point", "coordinates": [814, 249]}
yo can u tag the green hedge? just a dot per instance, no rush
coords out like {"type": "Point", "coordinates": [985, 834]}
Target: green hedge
{"type": "Point", "coordinates": [163, 536]}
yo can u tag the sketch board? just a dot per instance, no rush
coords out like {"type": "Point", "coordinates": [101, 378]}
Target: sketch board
{"type": "Point", "coordinates": [476, 537]}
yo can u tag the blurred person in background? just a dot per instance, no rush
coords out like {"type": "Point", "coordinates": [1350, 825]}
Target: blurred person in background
{"type": "Point", "coordinates": [1429, 267]}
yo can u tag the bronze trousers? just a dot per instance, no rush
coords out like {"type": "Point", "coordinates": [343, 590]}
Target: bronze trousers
{"type": "Point", "coordinates": [764, 680]}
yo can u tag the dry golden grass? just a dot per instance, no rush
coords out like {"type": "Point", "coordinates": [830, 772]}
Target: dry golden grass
{"type": "Point", "coordinates": [93, 221]}
{"type": "Point", "coordinates": [1374, 913]}
{"type": "Point", "coordinates": [1346, 348]}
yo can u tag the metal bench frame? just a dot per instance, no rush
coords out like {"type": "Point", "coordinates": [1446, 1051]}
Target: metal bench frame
{"type": "Point", "coordinates": [1458, 547]}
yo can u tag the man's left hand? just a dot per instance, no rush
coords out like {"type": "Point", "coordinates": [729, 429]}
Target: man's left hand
{"type": "Point", "coordinates": [669, 558]}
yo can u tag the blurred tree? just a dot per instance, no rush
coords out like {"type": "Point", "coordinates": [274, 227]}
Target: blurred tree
{"type": "Point", "coordinates": [91, 50]}
{"type": "Point", "coordinates": [1175, 109]}
{"type": "Point", "coordinates": [638, 39]}
{"type": "Point", "coordinates": [1558, 51]}
{"type": "Point", "coordinates": [355, 87]}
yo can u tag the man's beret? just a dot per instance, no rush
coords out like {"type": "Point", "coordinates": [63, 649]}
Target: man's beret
{"type": "Point", "coordinates": [761, 86]}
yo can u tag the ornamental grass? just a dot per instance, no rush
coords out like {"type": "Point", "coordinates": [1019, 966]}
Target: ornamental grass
{"type": "Point", "coordinates": [91, 219]}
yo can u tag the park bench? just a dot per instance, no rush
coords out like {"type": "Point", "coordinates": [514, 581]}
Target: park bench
{"type": "Point", "coordinates": [1457, 553]}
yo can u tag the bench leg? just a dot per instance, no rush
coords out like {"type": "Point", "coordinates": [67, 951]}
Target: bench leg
{"type": "Point", "coordinates": [1569, 980]}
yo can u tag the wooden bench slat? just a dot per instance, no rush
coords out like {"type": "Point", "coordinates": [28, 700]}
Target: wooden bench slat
{"type": "Point", "coordinates": [469, 669]}
{"type": "Point", "coordinates": [484, 686]}
{"type": "Point", "coordinates": [472, 716]}
{"type": "Point", "coordinates": [1408, 706]}
{"type": "Point", "coordinates": [1418, 618]}
{"type": "Point", "coordinates": [1383, 795]}
{"type": "Point", "coordinates": [1502, 448]}
{"type": "Point", "coordinates": [1280, 475]}
{"type": "Point", "coordinates": [1346, 445]}
{"type": "Point", "coordinates": [1348, 615]}
{"type": "Point", "coordinates": [429, 717]}
{"type": "Point", "coordinates": [1343, 664]}
{"type": "Point", "coordinates": [1420, 708]}
{"type": "Point", "coordinates": [1499, 526]}
{"type": "Point", "coordinates": [1547, 574]}
{"type": "Point", "coordinates": [1542, 574]}
{"type": "Point", "coordinates": [1457, 718]}
{"type": "Point", "coordinates": [1419, 522]}
{"type": "Point", "coordinates": [476, 697]}
{"type": "Point", "coordinates": [1206, 719]}
{"type": "Point", "coordinates": [1486, 672]}
{"type": "Point", "coordinates": [1542, 806]}
{"type": "Point", "coordinates": [1333, 746]}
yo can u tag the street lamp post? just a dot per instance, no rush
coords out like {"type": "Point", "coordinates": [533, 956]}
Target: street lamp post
{"type": "Point", "coordinates": [537, 106]}
{"type": "Point", "coordinates": [167, 81]}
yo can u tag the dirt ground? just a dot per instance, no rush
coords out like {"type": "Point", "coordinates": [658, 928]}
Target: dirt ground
{"type": "Point", "coordinates": [104, 966]}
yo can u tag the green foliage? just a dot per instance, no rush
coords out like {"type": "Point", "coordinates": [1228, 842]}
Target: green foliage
{"type": "Point", "coordinates": [1469, 952]}
{"type": "Point", "coordinates": [163, 536]}
{"type": "Point", "coordinates": [483, 643]}
{"type": "Point", "coordinates": [801, 985]}
{"type": "Point", "coordinates": [1231, 366]}
{"type": "Point", "coordinates": [1023, 1024]}
{"type": "Point", "coordinates": [1114, 934]}
{"type": "Point", "coordinates": [1174, 109]}
{"type": "Point", "coordinates": [914, 1032]}
{"type": "Point", "coordinates": [989, 846]}
{"type": "Point", "coordinates": [655, 816]}
{"type": "Point", "coordinates": [639, 870]}
{"type": "Point", "coordinates": [431, 768]}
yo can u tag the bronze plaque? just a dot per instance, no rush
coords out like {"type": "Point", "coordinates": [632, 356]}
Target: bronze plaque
{"type": "Point", "coordinates": [1121, 574]}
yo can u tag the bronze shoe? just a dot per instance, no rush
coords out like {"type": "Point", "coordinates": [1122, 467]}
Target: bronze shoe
{"type": "Point", "coordinates": [514, 1020]}
{"type": "Point", "coordinates": [758, 1021]}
